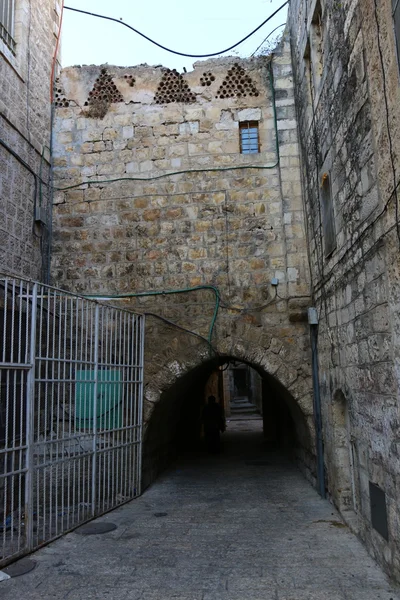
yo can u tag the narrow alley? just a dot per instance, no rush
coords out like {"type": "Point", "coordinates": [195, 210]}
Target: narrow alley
{"type": "Point", "coordinates": [244, 524]}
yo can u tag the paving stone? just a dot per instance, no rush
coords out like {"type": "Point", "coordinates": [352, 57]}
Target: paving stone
{"type": "Point", "coordinates": [227, 536]}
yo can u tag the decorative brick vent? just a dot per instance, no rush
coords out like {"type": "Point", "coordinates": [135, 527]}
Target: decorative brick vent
{"type": "Point", "coordinates": [173, 88]}
{"type": "Point", "coordinates": [60, 101]}
{"type": "Point", "coordinates": [207, 79]}
{"type": "Point", "coordinates": [237, 83]}
{"type": "Point", "coordinates": [103, 94]}
{"type": "Point", "coordinates": [130, 80]}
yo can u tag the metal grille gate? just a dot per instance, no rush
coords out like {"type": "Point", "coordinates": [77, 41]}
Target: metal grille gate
{"type": "Point", "coordinates": [71, 387]}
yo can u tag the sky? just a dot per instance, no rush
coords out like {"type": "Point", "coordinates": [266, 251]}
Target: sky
{"type": "Point", "coordinates": [189, 26]}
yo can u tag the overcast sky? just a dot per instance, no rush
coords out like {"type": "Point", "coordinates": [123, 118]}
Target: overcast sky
{"type": "Point", "coordinates": [190, 26]}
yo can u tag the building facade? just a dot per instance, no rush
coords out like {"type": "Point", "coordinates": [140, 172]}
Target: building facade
{"type": "Point", "coordinates": [348, 106]}
{"type": "Point", "coordinates": [28, 37]}
{"type": "Point", "coordinates": [191, 183]}
{"type": "Point", "coordinates": [223, 203]}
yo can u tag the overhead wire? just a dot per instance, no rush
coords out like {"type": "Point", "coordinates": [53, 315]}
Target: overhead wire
{"type": "Point", "coordinates": [268, 36]}
{"type": "Point", "coordinates": [165, 293]}
{"type": "Point", "coordinates": [85, 12]}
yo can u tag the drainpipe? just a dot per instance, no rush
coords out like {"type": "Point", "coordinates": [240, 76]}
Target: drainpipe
{"type": "Point", "coordinates": [313, 322]}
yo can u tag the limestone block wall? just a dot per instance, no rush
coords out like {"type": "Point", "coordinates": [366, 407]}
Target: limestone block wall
{"type": "Point", "coordinates": [347, 98]}
{"type": "Point", "coordinates": [154, 195]}
{"type": "Point", "coordinates": [25, 111]}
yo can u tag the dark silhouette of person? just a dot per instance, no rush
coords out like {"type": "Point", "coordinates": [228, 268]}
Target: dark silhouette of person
{"type": "Point", "coordinates": [214, 422]}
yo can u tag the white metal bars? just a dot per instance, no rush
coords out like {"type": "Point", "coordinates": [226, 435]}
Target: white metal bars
{"type": "Point", "coordinates": [71, 375]}
{"type": "Point", "coordinates": [7, 18]}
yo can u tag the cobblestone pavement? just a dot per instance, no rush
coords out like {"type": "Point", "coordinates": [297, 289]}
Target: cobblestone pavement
{"type": "Point", "coordinates": [213, 528]}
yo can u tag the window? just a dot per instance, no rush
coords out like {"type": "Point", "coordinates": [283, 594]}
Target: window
{"type": "Point", "coordinates": [316, 48]}
{"type": "Point", "coordinates": [7, 8]}
{"type": "Point", "coordinates": [249, 140]}
{"type": "Point", "coordinates": [328, 217]}
{"type": "Point", "coordinates": [396, 19]}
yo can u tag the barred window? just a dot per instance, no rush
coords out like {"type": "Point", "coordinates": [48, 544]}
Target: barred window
{"type": "Point", "coordinates": [249, 140]}
{"type": "Point", "coordinates": [7, 10]}
{"type": "Point", "coordinates": [328, 216]}
{"type": "Point", "coordinates": [396, 19]}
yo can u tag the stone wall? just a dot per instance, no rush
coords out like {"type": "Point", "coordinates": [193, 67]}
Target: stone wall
{"type": "Point", "coordinates": [347, 98]}
{"type": "Point", "coordinates": [124, 223]}
{"type": "Point", "coordinates": [25, 111]}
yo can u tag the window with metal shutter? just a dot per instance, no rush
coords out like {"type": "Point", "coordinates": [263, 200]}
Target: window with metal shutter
{"type": "Point", "coordinates": [249, 138]}
{"type": "Point", "coordinates": [7, 11]}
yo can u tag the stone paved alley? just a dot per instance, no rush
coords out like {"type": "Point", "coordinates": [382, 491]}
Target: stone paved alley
{"type": "Point", "coordinates": [213, 529]}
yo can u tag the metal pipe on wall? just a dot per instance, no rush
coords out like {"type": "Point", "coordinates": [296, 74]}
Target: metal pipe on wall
{"type": "Point", "coordinates": [313, 322]}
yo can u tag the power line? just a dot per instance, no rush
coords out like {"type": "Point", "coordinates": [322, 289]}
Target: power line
{"type": "Point", "coordinates": [268, 36]}
{"type": "Point", "coordinates": [386, 104]}
{"type": "Point", "coordinates": [85, 12]}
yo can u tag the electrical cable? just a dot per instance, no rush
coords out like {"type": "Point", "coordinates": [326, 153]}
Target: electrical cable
{"type": "Point", "coordinates": [18, 157]}
{"type": "Point", "coordinates": [165, 293]}
{"type": "Point", "coordinates": [371, 249]}
{"type": "Point", "coordinates": [268, 36]}
{"type": "Point", "coordinates": [256, 308]}
{"type": "Point", "coordinates": [208, 170]}
{"type": "Point", "coordinates": [174, 51]}
{"type": "Point", "coordinates": [385, 96]}
{"type": "Point", "coordinates": [358, 240]}
{"type": "Point", "coordinates": [319, 247]}
{"type": "Point", "coordinates": [53, 64]}
{"type": "Point", "coordinates": [316, 287]}
{"type": "Point", "coordinates": [201, 337]}
{"type": "Point", "coordinates": [28, 73]}
{"type": "Point", "coordinates": [35, 179]}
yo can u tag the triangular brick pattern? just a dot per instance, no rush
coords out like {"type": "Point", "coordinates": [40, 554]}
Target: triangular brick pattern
{"type": "Point", "coordinates": [207, 79]}
{"type": "Point", "coordinates": [173, 88]}
{"type": "Point", "coordinates": [237, 83]}
{"type": "Point", "coordinates": [60, 101]}
{"type": "Point", "coordinates": [130, 80]}
{"type": "Point", "coordinates": [103, 94]}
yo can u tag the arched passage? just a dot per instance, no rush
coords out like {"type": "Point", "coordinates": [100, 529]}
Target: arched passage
{"type": "Point", "coordinates": [174, 423]}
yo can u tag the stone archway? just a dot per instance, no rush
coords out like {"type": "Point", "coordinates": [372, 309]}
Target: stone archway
{"type": "Point", "coordinates": [182, 395]}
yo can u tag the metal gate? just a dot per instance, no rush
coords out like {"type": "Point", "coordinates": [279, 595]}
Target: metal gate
{"type": "Point", "coordinates": [71, 388]}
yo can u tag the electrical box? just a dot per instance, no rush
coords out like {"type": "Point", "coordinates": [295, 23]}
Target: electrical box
{"type": "Point", "coordinates": [40, 215]}
{"type": "Point", "coordinates": [108, 401]}
{"type": "Point", "coordinates": [312, 316]}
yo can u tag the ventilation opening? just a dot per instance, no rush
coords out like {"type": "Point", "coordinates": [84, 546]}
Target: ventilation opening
{"type": "Point", "coordinates": [237, 84]}
{"type": "Point", "coordinates": [103, 93]}
{"type": "Point", "coordinates": [173, 88]}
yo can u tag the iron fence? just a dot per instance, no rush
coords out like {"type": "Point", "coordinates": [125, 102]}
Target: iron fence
{"type": "Point", "coordinates": [71, 385]}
